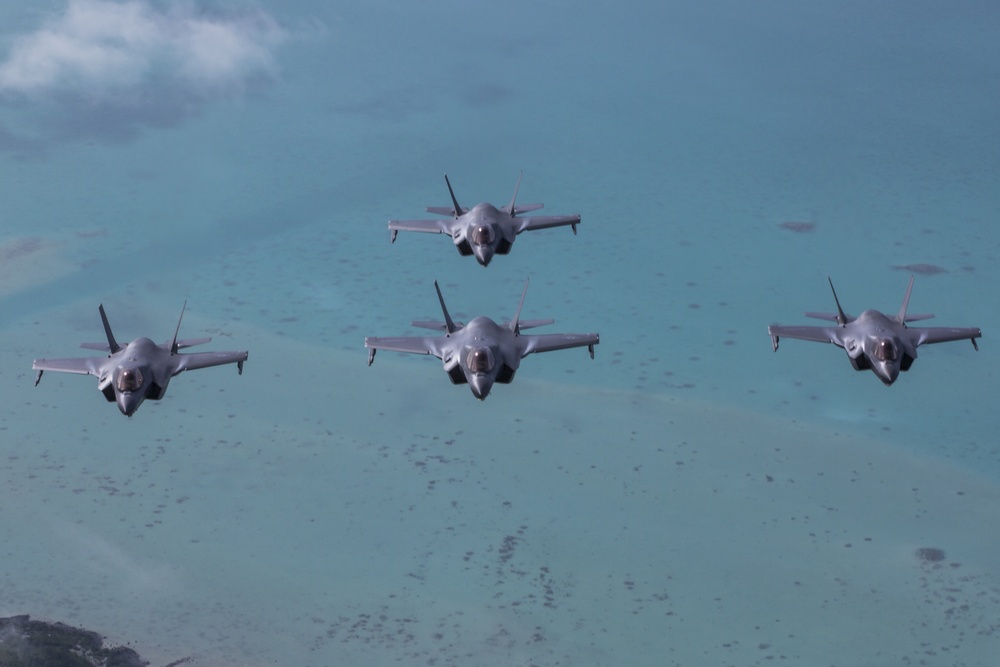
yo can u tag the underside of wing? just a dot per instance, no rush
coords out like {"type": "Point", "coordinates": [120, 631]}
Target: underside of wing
{"type": "Point", "coordinates": [927, 335]}
{"type": "Point", "coordinates": [546, 221]}
{"type": "Point", "coordinates": [551, 342]}
{"type": "Point", "coordinates": [78, 366]}
{"type": "Point", "coordinates": [816, 334]}
{"type": "Point", "coordinates": [409, 344]}
{"type": "Point", "coordinates": [428, 226]}
{"type": "Point", "coordinates": [190, 362]}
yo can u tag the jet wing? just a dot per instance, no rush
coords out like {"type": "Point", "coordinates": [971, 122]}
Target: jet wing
{"type": "Point", "coordinates": [430, 226]}
{"type": "Point", "coordinates": [410, 344]}
{"type": "Point", "coordinates": [816, 334]}
{"type": "Point", "coordinates": [551, 342]}
{"type": "Point", "coordinates": [79, 366]}
{"type": "Point", "coordinates": [545, 221]}
{"type": "Point", "coordinates": [927, 335]}
{"type": "Point", "coordinates": [193, 361]}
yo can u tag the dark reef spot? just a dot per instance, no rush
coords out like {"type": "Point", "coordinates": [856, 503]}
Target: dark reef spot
{"type": "Point", "coordinates": [798, 226]}
{"type": "Point", "coordinates": [922, 269]}
{"type": "Point", "coordinates": [20, 248]}
{"type": "Point", "coordinates": [930, 554]}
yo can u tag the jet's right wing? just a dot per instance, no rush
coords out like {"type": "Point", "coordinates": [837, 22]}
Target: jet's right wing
{"type": "Point", "coordinates": [431, 226]}
{"type": "Point", "coordinates": [78, 366]}
{"type": "Point", "coordinates": [409, 344]}
{"type": "Point", "coordinates": [815, 334]}
{"type": "Point", "coordinates": [428, 226]}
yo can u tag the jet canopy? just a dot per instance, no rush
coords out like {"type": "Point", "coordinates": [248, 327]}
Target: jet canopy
{"type": "Point", "coordinates": [483, 235]}
{"type": "Point", "coordinates": [480, 360]}
{"type": "Point", "coordinates": [129, 379]}
{"type": "Point", "coordinates": [884, 349]}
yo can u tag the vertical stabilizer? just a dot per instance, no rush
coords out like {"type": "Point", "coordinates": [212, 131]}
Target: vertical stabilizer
{"type": "Point", "coordinates": [458, 209]}
{"type": "Point", "coordinates": [517, 316]}
{"type": "Point", "coordinates": [510, 207]}
{"type": "Point", "coordinates": [906, 302]}
{"type": "Point", "coordinates": [113, 345]}
{"type": "Point", "coordinates": [841, 317]}
{"type": "Point", "coordinates": [173, 343]}
{"type": "Point", "coordinates": [448, 323]}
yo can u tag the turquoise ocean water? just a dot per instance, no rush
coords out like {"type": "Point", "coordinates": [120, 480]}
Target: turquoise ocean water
{"type": "Point", "coordinates": [689, 497]}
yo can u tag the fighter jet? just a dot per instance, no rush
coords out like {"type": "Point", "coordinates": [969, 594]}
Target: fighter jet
{"type": "Point", "coordinates": [142, 369]}
{"type": "Point", "coordinates": [875, 341]}
{"type": "Point", "coordinates": [481, 352]}
{"type": "Point", "coordinates": [484, 230]}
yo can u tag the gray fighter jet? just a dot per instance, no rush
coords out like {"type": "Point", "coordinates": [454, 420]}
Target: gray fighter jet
{"type": "Point", "coordinates": [481, 352]}
{"type": "Point", "coordinates": [142, 369]}
{"type": "Point", "coordinates": [484, 230]}
{"type": "Point", "coordinates": [875, 341]}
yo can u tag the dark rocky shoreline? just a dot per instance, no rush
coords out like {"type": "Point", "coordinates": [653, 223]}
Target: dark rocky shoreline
{"type": "Point", "coordinates": [28, 643]}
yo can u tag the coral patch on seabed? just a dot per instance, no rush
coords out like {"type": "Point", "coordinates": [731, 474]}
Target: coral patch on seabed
{"type": "Point", "coordinates": [922, 269]}
{"type": "Point", "coordinates": [25, 642]}
{"type": "Point", "coordinates": [798, 226]}
{"type": "Point", "coordinates": [29, 261]}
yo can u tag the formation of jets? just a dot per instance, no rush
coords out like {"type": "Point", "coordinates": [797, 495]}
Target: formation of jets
{"type": "Point", "coordinates": [483, 352]}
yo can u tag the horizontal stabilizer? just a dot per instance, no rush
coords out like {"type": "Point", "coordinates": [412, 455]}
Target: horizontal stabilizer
{"type": "Point", "coordinates": [436, 325]}
{"type": "Point", "coordinates": [833, 317]}
{"type": "Point", "coordinates": [444, 210]}
{"type": "Point", "coordinates": [103, 347]}
{"type": "Point", "coordinates": [528, 324]}
{"type": "Point", "coordinates": [917, 318]}
{"type": "Point", "coordinates": [191, 342]}
{"type": "Point", "coordinates": [527, 208]}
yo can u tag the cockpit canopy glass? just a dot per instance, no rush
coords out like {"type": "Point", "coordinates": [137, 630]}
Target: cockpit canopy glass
{"type": "Point", "coordinates": [480, 360]}
{"type": "Point", "coordinates": [129, 379]}
{"type": "Point", "coordinates": [483, 235]}
{"type": "Point", "coordinates": [885, 349]}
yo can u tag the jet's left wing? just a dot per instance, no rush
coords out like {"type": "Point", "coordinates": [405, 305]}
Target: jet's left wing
{"type": "Point", "coordinates": [78, 366]}
{"type": "Point", "coordinates": [193, 361]}
{"type": "Point", "coordinates": [816, 334]}
{"type": "Point", "coordinates": [409, 344]}
{"type": "Point", "coordinates": [546, 221]}
{"type": "Point", "coordinates": [551, 342]}
{"type": "Point", "coordinates": [927, 335]}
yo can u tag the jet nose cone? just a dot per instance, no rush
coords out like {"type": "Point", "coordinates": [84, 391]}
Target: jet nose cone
{"type": "Point", "coordinates": [129, 403]}
{"type": "Point", "coordinates": [483, 254]}
{"type": "Point", "coordinates": [481, 386]}
{"type": "Point", "coordinates": [886, 373]}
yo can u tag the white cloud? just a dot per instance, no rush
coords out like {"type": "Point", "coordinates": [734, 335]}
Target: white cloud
{"type": "Point", "coordinates": [100, 49]}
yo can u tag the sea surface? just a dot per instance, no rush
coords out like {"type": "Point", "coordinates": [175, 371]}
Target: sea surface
{"type": "Point", "coordinates": [689, 497]}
